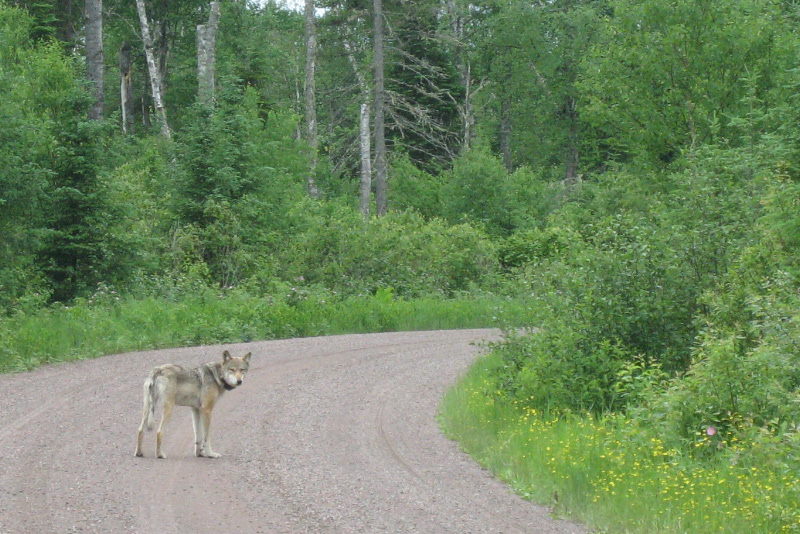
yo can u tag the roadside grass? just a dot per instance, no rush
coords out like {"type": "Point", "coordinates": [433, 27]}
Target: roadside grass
{"type": "Point", "coordinates": [616, 474]}
{"type": "Point", "coordinates": [109, 324]}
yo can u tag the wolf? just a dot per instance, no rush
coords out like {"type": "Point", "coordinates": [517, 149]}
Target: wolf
{"type": "Point", "coordinates": [199, 388]}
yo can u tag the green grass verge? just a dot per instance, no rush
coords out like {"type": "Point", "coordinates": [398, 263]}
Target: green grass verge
{"type": "Point", "coordinates": [112, 324]}
{"type": "Point", "coordinates": [617, 475]}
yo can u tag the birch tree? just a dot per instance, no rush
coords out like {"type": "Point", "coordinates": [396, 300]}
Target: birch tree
{"type": "Point", "coordinates": [364, 144]}
{"type": "Point", "coordinates": [310, 95]}
{"type": "Point", "coordinates": [207, 55]}
{"type": "Point", "coordinates": [94, 55]}
{"type": "Point", "coordinates": [156, 82]}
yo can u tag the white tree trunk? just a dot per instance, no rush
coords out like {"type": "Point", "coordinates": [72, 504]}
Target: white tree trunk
{"type": "Point", "coordinates": [207, 55]}
{"type": "Point", "coordinates": [310, 95]}
{"type": "Point", "coordinates": [366, 159]}
{"type": "Point", "coordinates": [364, 144]}
{"type": "Point", "coordinates": [155, 76]}
{"type": "Point", "coordinates": [94, 55]}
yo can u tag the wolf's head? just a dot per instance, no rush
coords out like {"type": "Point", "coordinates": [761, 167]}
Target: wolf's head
{"type": "Point", "coordinates": [234, 369]}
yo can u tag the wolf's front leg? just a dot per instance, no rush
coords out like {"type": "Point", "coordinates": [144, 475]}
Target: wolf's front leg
{"type": "Point", "coordinates": [197, 424]}
{"type": "Point", "coordinates": [205, 446]}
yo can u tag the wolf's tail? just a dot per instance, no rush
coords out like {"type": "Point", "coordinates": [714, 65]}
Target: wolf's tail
{"type": "Point", "coordinates": [150, 400]}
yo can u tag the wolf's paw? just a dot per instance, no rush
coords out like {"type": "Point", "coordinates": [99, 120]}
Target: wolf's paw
{"type": "Point", "coordinates": [161, 455]}
{"type": "Point", "coordinates": [211, 454]}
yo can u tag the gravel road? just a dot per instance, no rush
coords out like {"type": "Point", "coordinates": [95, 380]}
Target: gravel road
{"type": "Point", "coordinates": [334, 434]}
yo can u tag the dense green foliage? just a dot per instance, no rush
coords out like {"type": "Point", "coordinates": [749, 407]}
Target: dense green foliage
{"type": "Point", "coordinates": [630, 168]}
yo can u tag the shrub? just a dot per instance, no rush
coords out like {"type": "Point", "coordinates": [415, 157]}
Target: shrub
{"type": "Point", "coordinates": [415, 189]}
{"type": "Point", "coordinates": [474, 191]}
{"type": "Point", "coordinates": [557, 370]}
{"type": "Point", "coordinates": [333, 246]}
{"type": "Point", "coordinates": [534, 245]}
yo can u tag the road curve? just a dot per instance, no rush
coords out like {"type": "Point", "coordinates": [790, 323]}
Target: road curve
{"type": "Point", "coordinates": [334, 434]}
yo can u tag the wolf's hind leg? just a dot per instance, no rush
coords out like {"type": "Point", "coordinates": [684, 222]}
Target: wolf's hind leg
{"type": "Point", "coordinates": [168, 404]}
{"type": "Point", "coordinates": [147, 417]}
{"type": "Point", "coordinates": [140, 438]}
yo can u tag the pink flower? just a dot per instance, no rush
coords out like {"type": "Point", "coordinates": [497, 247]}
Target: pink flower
{"type": "Point", "coordinates": [711, 430]}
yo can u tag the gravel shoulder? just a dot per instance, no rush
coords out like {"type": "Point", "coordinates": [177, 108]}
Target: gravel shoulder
{"type": "Point", "coordinates": [331, 434]}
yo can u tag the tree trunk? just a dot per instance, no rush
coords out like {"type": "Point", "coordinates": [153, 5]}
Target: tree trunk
{"type": "Point", "coordinates": [381, 171]}
{"type": "Point", "coordinates": [310, 95]}
{"type": "Point", "coordinates": [366, 159]}
{"type": "Point", "coordinates": [125, 88]}
{"type": "Point", "coordinates": [363, 136]}
{"type": "Point", "coordinates": [146, 122]}
{"type": "Point", "coordinates": [464, 67]}
{"type": "Point", "coordinates": [207, 55]}
{"type": "Point", "coordinates": [94, 55]}
{"type": "Point", "coordinates": [468, 111]}
{"type": "Point", "coordinates": [505, 133]}
{"type": "Point", "coordinates": [161, 50]}
{"type": "Point", "coordinates": [155, 76]}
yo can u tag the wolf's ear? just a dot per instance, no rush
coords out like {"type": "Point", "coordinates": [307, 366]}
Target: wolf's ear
{"type": "Point", "coordinates": [247, 357]}
{"type": "Point", "coordinates": [226, 356]}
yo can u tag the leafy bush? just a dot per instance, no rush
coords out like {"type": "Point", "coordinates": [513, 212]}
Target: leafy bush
{"type": "Point", "coordinates": [619, 277]}
{"type": "Point", "coordinates": [136, 220]}
{"type": "Point", "coordinates": [333, 246]}
{"type": "Point", "coordinates": [478, 189]}
{"type": "Point", "coordinates": [532, 246]}
{"type": "Point", "coordinates": [558, 370]}
{"type": "Point", "coordinates": [413, 188]}
{"type": "Point", "coordinates": [745, 375]}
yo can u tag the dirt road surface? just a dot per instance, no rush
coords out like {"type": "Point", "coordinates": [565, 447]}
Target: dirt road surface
{"type": "Point", "coordinates": [334, 434]}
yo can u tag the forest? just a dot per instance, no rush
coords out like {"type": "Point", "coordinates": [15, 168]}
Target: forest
{"type": "Point", "coordinates": [622, 177]}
